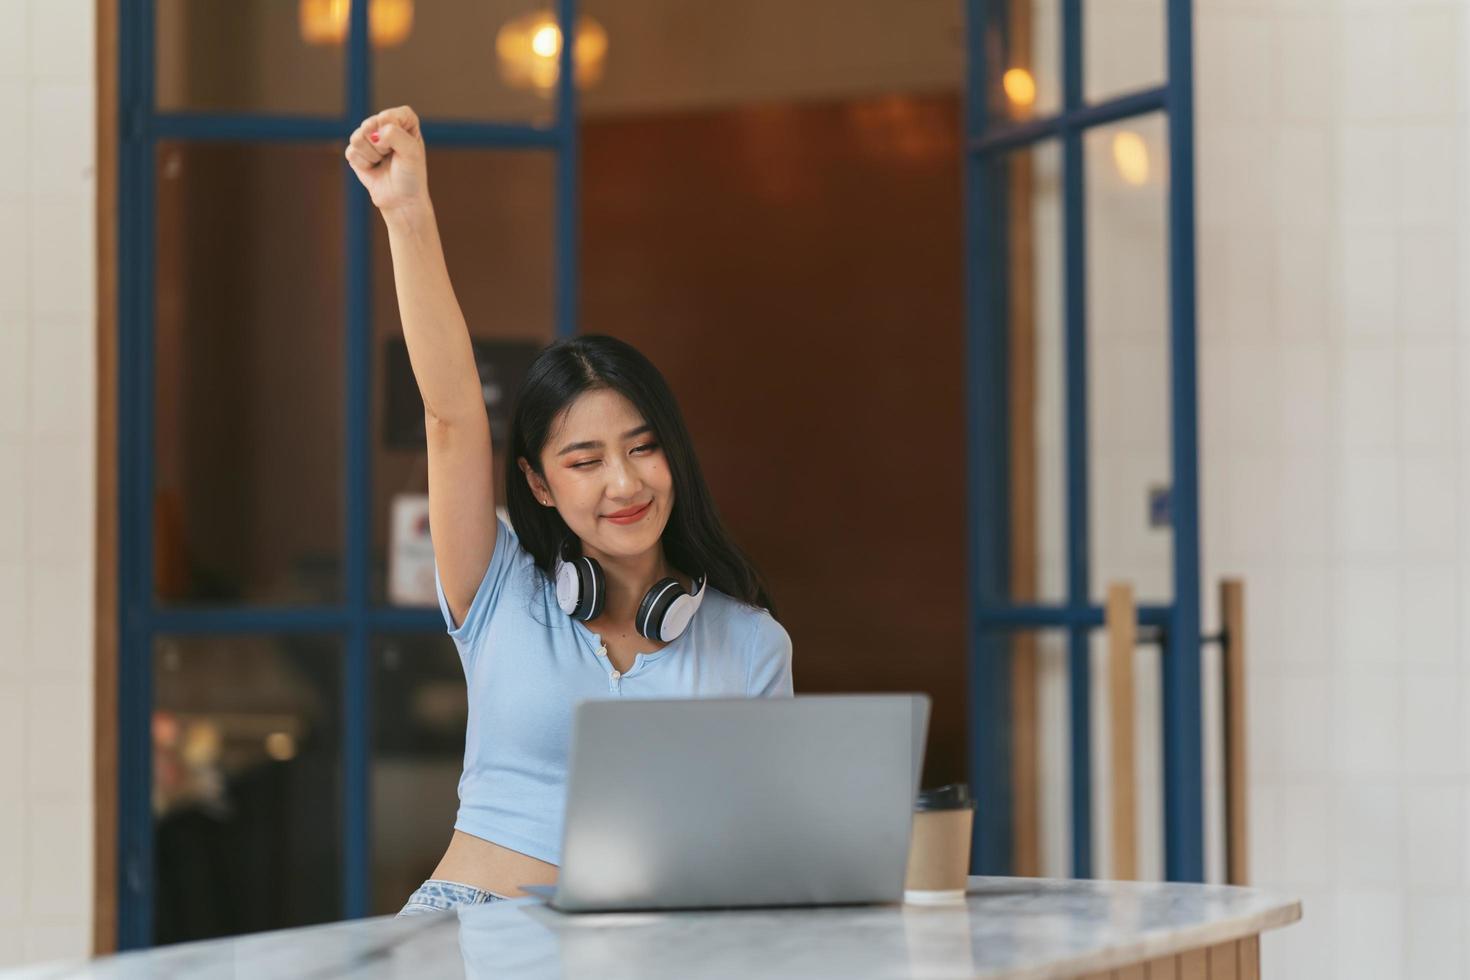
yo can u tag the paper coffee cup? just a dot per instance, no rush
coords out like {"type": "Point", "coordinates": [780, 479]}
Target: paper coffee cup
{"type": "Point", "coordinates": [939, 849]}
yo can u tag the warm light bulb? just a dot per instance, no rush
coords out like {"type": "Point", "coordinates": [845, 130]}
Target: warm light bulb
{"type": "Point", "coordinates": [325, 21]}
{"type": "Point", "coordinates": [528, 49]}
{"type": "Point", "coordinates": [547, 41]}
{"type": "Point", "coordinates": [1019, 87]}
{"type": "Point", "coordinates": [390, 22]}
{"type": "Point", "coordinates": [280, 746]}
{"type": "Point", "coordinates": [1130, 156]}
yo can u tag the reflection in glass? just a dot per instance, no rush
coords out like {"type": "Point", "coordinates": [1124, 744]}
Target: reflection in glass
{"type": "Point", "coordinates": [246, 784]}
{"type": "Point", "coordinates": [248, 350]}
{"type": "Point", "coordinates": [448, 67]}
{"type": "Point", "coordinates": [671, 55]}
{"type": "Point", "coordinates": [419, 716]}
{"type": "Point", "coordinates": [243, 56]}
{"type": "Point", "coordinates": [1128, 356]}
{"type": "Point", "coordinates": [495, 210]}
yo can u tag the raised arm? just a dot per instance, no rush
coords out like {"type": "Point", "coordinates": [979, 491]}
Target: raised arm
{"type": "Point", "coordinates": [387, 154]}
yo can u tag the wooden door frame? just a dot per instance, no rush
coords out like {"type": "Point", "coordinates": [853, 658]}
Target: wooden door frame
{"type": "Point", "coordinates": [105, 676]}
{"type": "Point", "coordinates": [1025, 543]}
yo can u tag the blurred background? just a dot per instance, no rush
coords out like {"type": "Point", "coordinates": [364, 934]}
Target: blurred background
{"type": "Point", "coordinates": [944, 424]}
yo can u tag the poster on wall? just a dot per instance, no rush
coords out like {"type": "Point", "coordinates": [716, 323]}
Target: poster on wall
{"type": "Point", "coordinates": [411, 552]}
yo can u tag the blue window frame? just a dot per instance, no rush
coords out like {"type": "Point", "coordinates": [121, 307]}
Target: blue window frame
{"type": "Point", "coordinates": [993, 612]}
{"type": "Point", "coordinates": [356, 618]}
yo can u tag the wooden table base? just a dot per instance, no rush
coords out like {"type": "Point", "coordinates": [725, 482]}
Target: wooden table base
{"type": "Point", "coordinates": [1237, 960]}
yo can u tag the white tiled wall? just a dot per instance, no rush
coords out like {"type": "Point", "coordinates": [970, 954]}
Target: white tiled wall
{"type": "Point", "coordinates": [47, 477]}
{"type": "Point", "coordinates": [1334, 223]}
{"type": "Point", "coordinates": [1360, 768]}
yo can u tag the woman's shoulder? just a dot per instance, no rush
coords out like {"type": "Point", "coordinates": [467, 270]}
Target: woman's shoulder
{"type": "Point", "coordinates": [763, 641]}
{"type": "Point", "coordinates": [751, 627]}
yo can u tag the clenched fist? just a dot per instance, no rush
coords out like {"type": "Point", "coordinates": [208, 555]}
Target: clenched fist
{"type": "Point", "coordinates": [387, 154]}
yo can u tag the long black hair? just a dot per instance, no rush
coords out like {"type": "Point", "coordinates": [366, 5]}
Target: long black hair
{"type": "Point", "coordinates": [695, 540]}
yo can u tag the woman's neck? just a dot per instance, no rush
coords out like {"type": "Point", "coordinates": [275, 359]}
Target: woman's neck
{"type": "Point", "coordinates": [629, 579]}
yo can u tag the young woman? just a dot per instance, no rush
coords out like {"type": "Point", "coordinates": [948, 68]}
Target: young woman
{"type": "Point", "coordinates": [614, 578]}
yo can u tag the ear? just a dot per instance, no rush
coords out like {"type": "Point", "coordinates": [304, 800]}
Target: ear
{"type": "Point", "coordinates": [538, 486]}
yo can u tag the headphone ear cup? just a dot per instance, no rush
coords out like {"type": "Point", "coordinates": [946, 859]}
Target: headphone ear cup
{"type": "Point", "coordinates": [655, 606]}
{"type": "Point", "coordinates": [580, 588]}
{"type": "Point", "coordinates": [594, 588]}
{"type": "Point", "coordinates": [568, 587]}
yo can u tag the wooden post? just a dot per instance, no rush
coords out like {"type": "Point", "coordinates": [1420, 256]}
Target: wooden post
{"type": "Point", "coordinates": [105, 624]}
{"type": "Point", "coordinates": [1232, 657]}
{"type": "Point", "coordinates": [1025, 549]}
{"type": "Point", "coordinates": [1122, 627]}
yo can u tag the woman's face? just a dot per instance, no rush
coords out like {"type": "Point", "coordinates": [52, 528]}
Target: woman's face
{"type": "Point", "coordinates": [601, 461]}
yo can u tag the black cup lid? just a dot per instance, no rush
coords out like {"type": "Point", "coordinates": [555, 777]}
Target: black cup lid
{"type": "Point", "coordinates": [955, 796]}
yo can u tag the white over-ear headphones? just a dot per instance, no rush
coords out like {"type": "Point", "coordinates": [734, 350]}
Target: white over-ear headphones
{"type": "Point", "coordinates": [664, 613]}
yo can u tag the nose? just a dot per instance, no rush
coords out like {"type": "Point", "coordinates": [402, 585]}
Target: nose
{"type": "Point", "coordinates": [623, 481]}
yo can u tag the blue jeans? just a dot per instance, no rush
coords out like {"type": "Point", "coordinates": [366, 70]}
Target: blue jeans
{"type": "Point", "coordinates": [437, 895]}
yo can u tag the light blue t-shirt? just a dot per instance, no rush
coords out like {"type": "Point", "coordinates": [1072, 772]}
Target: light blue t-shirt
{"type": "Point", "coordinates": [527, 664]}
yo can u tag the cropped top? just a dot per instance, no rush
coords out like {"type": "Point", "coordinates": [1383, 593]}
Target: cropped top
{"type": "Point", "coordinates": [527, 664]}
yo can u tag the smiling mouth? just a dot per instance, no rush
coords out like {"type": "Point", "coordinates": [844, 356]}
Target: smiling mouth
{"type": "Point", "coordinates": [627, 514]}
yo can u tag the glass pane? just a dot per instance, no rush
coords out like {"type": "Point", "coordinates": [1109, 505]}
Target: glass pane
{"type": "Point", "coordinates": [247, 762]}
{"type": "Point", "coordinates": [1023, 45]}
{"type": "Point", "coordinates": [495, 212]}
{"type": "Point", "coordinates": [1128, 356]}
{"type": "Point", "coordinates": [1033, 294]}
{"type": "Point", "coordinates": [1124, 44]}
{"type": "Point", "coordinates": [249, 373]}
{"type": "Point", "coordinates": [1148, 757]}
{"type": "Point", "coordinates": [263, 56]}
{"type": "Point", "coordinates": [1041, 776]}
{"type": "Point", "coordinates": [1043, 720]}
{"type": "Point", "coordinates": [675, 55]}
{"type": "Point", "coordinates": [419, 716]}
{"type": "Point", "coordinates": [475, 60]}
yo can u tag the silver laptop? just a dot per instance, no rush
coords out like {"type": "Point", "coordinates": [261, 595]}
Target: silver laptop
{"type": "Point", "coordinates": [710, 803]}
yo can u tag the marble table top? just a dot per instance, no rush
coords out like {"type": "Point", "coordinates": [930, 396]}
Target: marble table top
{"type": "Point", "coordinates": [1008, 927]}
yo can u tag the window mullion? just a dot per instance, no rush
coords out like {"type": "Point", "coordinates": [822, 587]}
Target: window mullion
{"type": "Point", "coordinates": [356, 794]}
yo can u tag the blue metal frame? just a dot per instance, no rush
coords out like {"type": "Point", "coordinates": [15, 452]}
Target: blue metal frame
{"type": "Point", "coordinates": [1079, 534]}
{"type": "Point", "coordinates": [357, 472]}
{"type": "Point", "coordinates": [356, 619]}
{"type": "Point", "coordinates": [993, 614]}
{"type": "Point", "coordinates": [1183, 739]}
{"type": "Point", "coordinates": [986, 397]}
{"type": "Point", "coordinates": [135, 443]}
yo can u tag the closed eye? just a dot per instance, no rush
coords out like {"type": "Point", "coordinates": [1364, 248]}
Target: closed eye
{"type": "Point", "coordinates": [645, 447]}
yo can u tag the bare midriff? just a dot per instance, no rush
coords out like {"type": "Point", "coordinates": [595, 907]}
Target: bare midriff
{"type": "Point", "coordinates": [473, 861]}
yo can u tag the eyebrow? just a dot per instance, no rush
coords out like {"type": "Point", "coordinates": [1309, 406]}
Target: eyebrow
{"type": "Point", "coordinates": [597, 443]}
